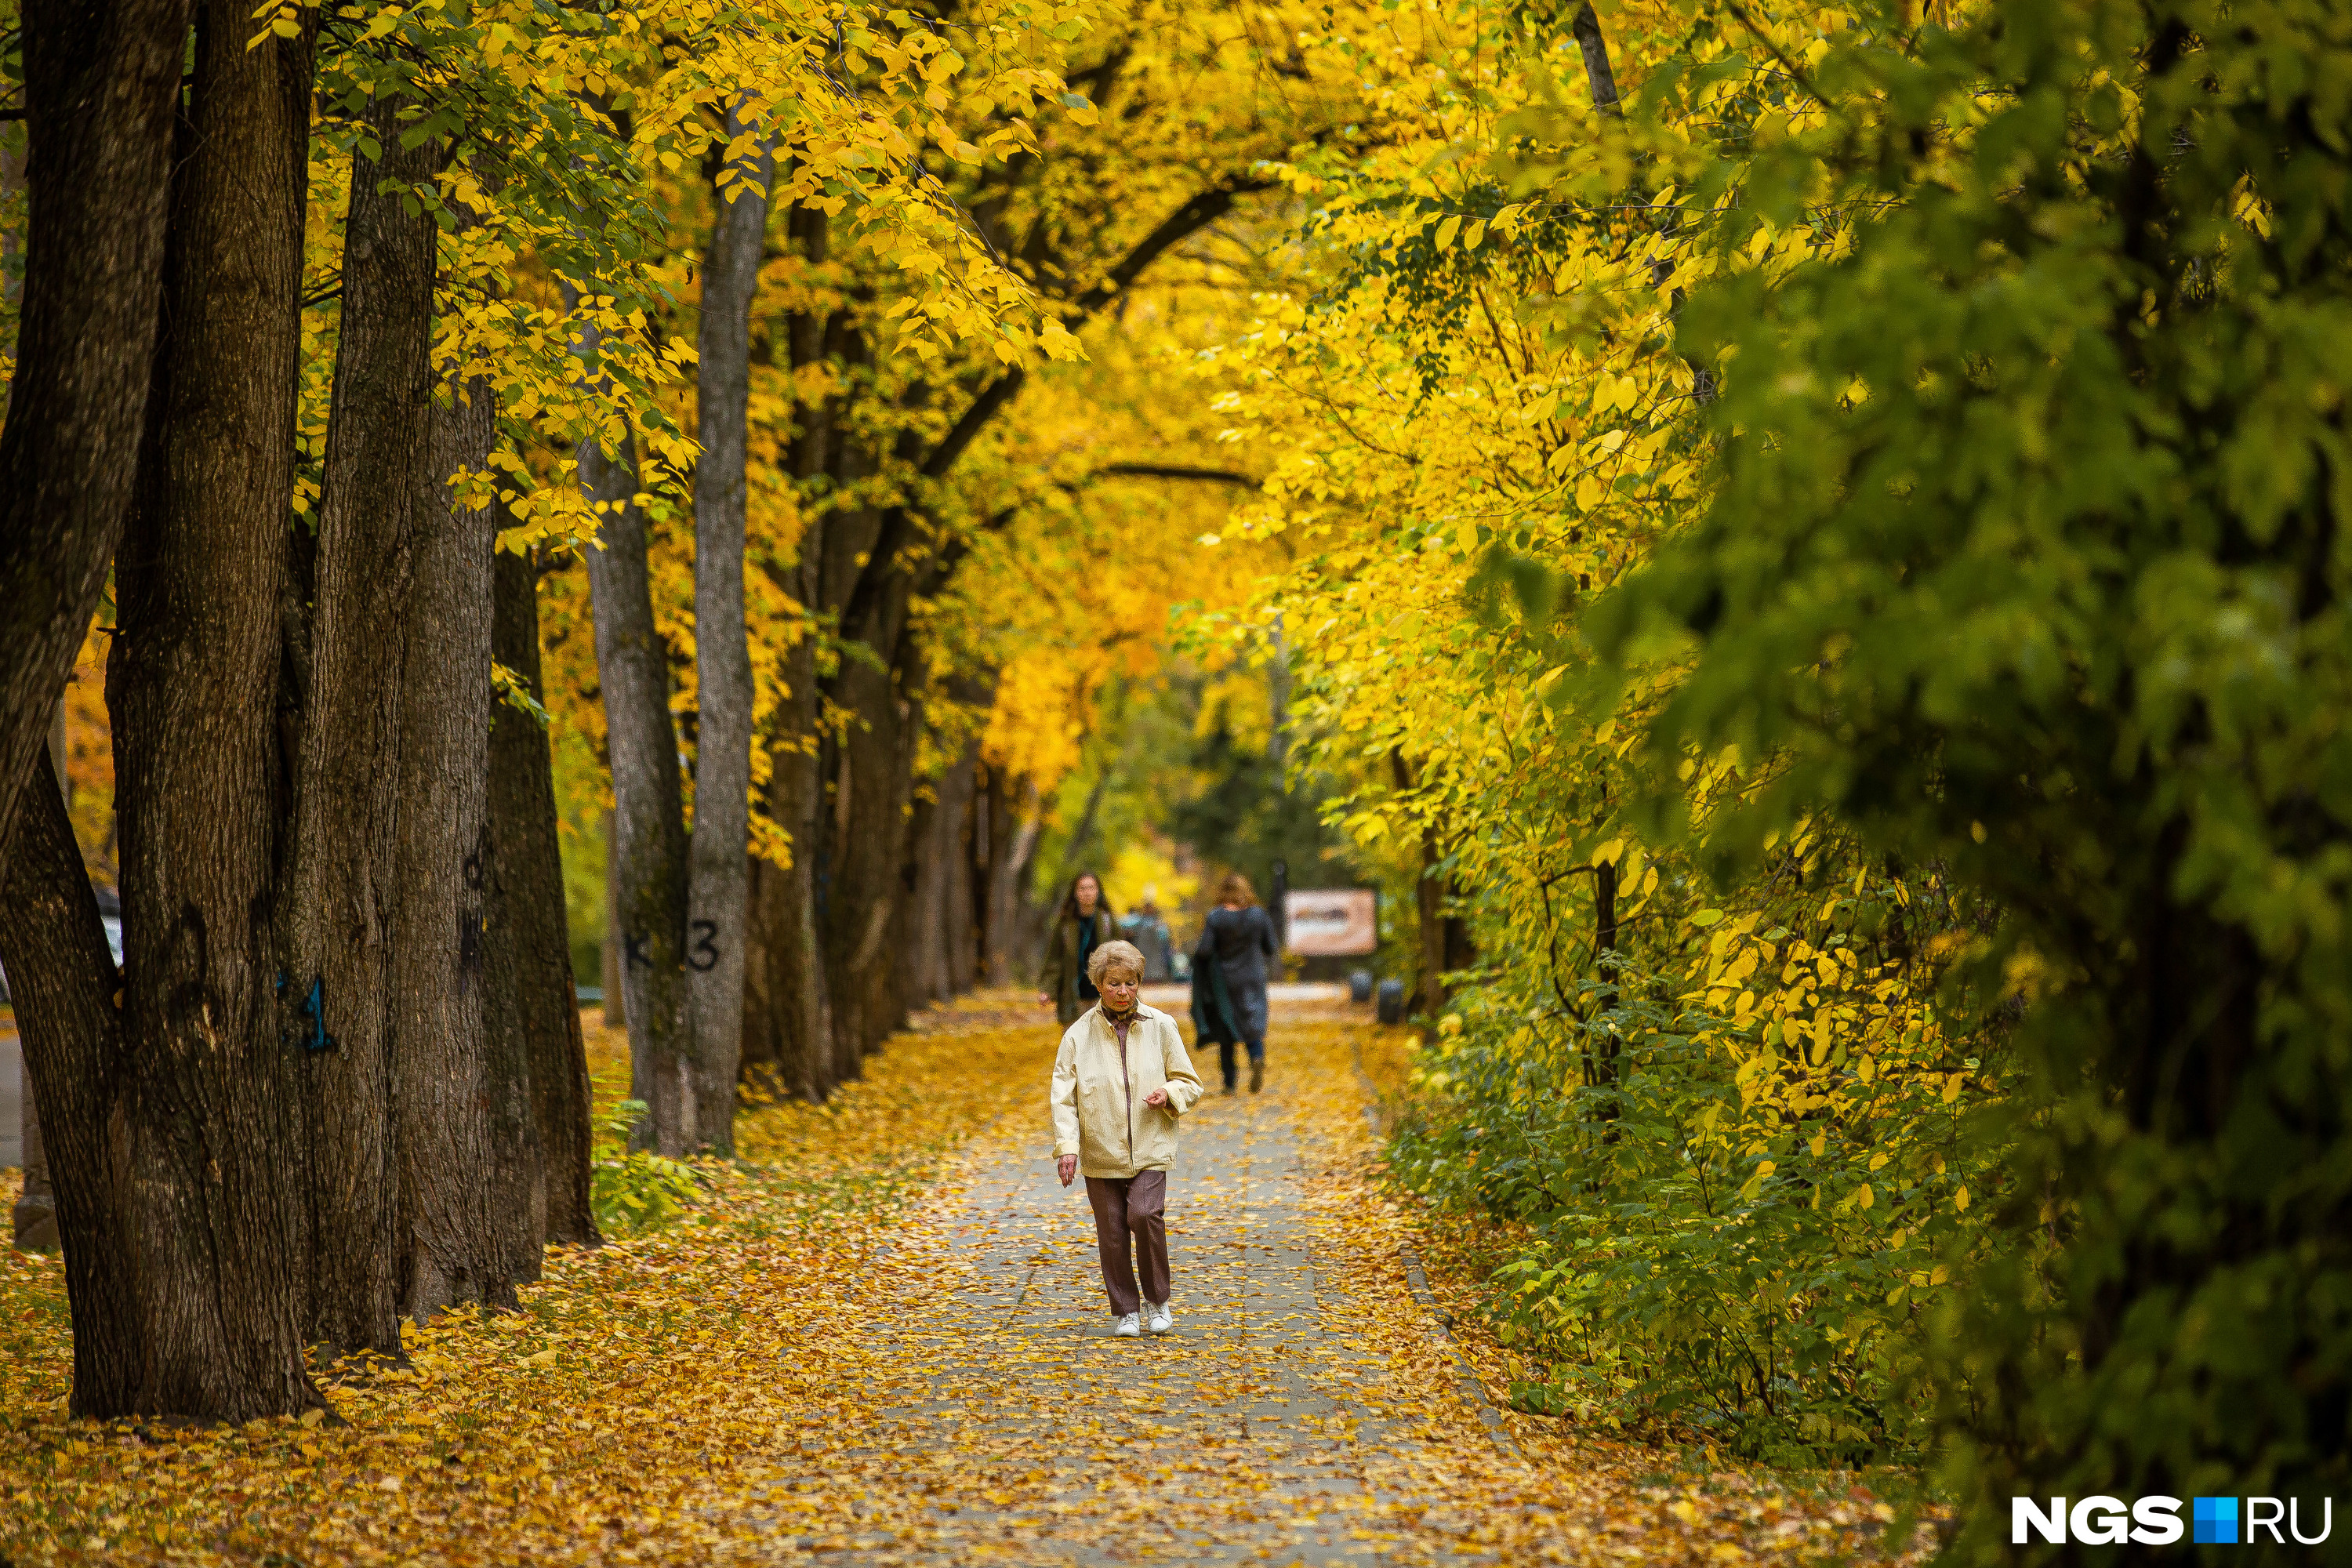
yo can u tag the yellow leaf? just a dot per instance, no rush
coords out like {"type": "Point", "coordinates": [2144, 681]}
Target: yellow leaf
{"type": "Point", "coordinates": [1446, 231]}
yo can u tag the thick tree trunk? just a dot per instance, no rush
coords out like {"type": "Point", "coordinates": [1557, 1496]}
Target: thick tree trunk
{"type": "Point", "coordinates": [461, 1114]}
{"type": "Point", "coordinates": [350, 904]}
{"type": "Point", "coordinates": [649, 866]}
{"type": "Point", "coordinates": [1015, 825]}
{"type": "Point", "coordinates": [62, 980]}
{"type": "Point", "coordinates": [530, 956]}
{"type": "Point", "coordinates": [200, 1135]}
{"type": "Point", "coordinates": [939, 913]}
{"type": "Point", "coordinates": [101, 82]}
{"type": "Point", "coordinates": [871, 782]}
{"type": "Point", "coordinates": [722, 774]}
{"type": "Point", "coordinates": [786, 1011]}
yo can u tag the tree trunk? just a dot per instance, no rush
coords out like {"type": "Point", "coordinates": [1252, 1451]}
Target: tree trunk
{"type": "Point", "coordinates": [649, 866]}
{"type": "Point", "coordinates": [923, 927]}
{"type": "Point", "coordinates": [871, 781]}
{"type": "Point", "coordinates": [616, 1014]}
{"type": "Point", "coordinates": [797, 1007]}
{"type": "Point", "coordinates": [530, 952]}
{"type": "Point", "coordinates": [785, 1002]}
{"type": "Point", "coordinates": [62, 980]}
{"type": "Point", "coordinates": [197, 1128]}
{"type": "Point", "coordinates": [950, 853]}
{"type": "Point", "coordinates": [722, 775]}
{"type": "Point", "coordinates": [1605, 949]}
{"type": "Point", "coordinates": [462, 1116]}
{"type": "Point", "coordinates": [1012, 845]}
{"type": "Point", "coordinates": [1598, 78]}
{"type": "Point", "coordinates": [1429, 900]}
{"type": "Point", "coordinates": [101, 83]}
{"type": "Point", "coordinates": [349, 905]}
{"type": "Point", "coordinates": [33, 1224]}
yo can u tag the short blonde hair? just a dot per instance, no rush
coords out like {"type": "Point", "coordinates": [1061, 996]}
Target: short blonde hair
{"type": "Point", "coordinates": [1113, 955]}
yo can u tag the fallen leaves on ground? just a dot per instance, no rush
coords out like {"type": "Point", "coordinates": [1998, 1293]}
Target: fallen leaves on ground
{"type": "Point", "coordinates": [814, 1361]}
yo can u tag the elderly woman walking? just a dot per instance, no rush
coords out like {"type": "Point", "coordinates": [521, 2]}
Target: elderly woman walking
{"type": "Point", "coordinates": [1229, 983]}
{"type": "Point", "coordinates": [1120, 1081]}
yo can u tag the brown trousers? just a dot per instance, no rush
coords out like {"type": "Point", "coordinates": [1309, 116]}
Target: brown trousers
{"type": "Point", "coordinates": [1133, 1208]}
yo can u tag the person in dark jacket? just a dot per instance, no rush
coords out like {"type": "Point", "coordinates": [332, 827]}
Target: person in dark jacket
{"type": "Point", "coordinates": [1229, 976]}
{"type": "Point", "coordinates": [1085, 923]}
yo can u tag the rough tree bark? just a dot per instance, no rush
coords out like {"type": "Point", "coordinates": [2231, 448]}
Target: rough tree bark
{"type": "Point", "coordinates": [1014, 826]}
{"type": "Point", "coordinates": [939, 937]}
{"type": "Point", "coordinates": [200, 1127]}
{"type": "Point", "coordinates": [530, 957]}
{"type": "Point", "coordinates": [33, 1223]}
{"type": "Point", "coordinates": [101, 86]}
{"type": "Point", "coordinates": [787, 1023]}
{"type": "Point", "coordinates": [460, 1115]}
{"type": "Point", "coordinates": [62, 979]}
{"type": "Point", "coordinates": [872, 780]}
{"type": "Point", "coordinates": [649, 866]}
{"type": "Point", "coordinates": [347, 898]}
{"type": "Point", "coordinates": [722, 777]}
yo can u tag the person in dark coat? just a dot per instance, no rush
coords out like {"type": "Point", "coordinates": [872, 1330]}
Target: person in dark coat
{"type": "Point", "coordinates": [1229, 976]}
{"type": "Point", "coordinates": [1147, 928]}
{"type": "Point", "coordinates": [1085, 923]}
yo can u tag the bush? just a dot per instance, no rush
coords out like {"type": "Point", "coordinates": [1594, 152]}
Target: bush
{"type": "Point", "coordinates": [638, 1190]}
{"type": "Point", "coordinates": [1744, 1223]}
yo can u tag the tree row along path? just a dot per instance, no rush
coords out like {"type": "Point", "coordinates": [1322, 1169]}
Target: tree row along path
{"type": "Point", "coordinates": [880, 1338]}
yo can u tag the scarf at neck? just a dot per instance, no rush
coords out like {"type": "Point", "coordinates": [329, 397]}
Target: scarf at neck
{"type": "Point", "coordinates": [1119, 1021]}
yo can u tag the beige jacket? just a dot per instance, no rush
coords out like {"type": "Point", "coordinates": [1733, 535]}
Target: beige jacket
{"type": "Point", "coordinates": [1098, 1110]}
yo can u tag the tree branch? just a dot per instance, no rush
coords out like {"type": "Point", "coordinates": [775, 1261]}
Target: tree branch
{"type": "Point", "coordinates": [1176, 471]}
{"type": "Point", "coordinates": [1597, 74]}
{"type": "Point", "coordinates": [899, 524]}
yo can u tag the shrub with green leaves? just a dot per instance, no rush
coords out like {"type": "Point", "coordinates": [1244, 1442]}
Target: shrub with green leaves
{"type": "Point", "coordinates": [638, 1189]}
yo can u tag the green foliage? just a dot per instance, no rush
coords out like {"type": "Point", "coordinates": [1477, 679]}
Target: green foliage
{"type": "Point", "coordinates": [637, 1189]}
{"type": "Point", "coordinates": [2026, 559]}
{"type": "Point", "coordinates": [1730, 1224]}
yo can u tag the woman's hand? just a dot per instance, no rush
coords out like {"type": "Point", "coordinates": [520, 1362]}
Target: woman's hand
{"type": "Point", "coordinates": [1157, 1096]}
{"type": "Point", "coordinates": [1066, 1167]}
{"type": "Point", "coordinates": [1045, 999]}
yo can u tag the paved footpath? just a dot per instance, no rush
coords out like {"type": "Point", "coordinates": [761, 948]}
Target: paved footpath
{"type": "Point", "coordinates": [1246, 1434]}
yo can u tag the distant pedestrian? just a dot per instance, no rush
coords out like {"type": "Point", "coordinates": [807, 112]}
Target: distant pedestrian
{"type": "Point", "coordinates": [1229, 978]}
{"type": "Point", "coordinates": [1120, 1081]}
{"type": "Point", "coordinates": [1147, 929]}
{"type": "Point", "coordinates": [1083, 925]}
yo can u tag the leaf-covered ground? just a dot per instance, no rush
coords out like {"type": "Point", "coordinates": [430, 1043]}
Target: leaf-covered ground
{"type": "Point", "coordinates": [878, 1340]}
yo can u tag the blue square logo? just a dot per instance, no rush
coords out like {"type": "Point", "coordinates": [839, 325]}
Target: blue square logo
{"type": "Point", "coordinates": [2214, 1521]}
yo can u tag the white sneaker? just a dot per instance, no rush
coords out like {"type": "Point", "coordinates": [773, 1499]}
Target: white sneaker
{"type": "Point", "coordinates": [1128, 1327]}
{"type": "Point", "coordinates": [1158, 1318]}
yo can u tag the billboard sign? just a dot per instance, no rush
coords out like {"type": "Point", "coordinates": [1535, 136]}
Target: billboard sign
{"type": "Point", "coordinates": [1335, 922]}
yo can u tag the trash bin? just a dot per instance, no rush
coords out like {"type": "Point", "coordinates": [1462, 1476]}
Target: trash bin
{"type": "Point", "coordinates": [1360, 985]}
{"type": "Point", "coordinates": [1392, 1008]}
